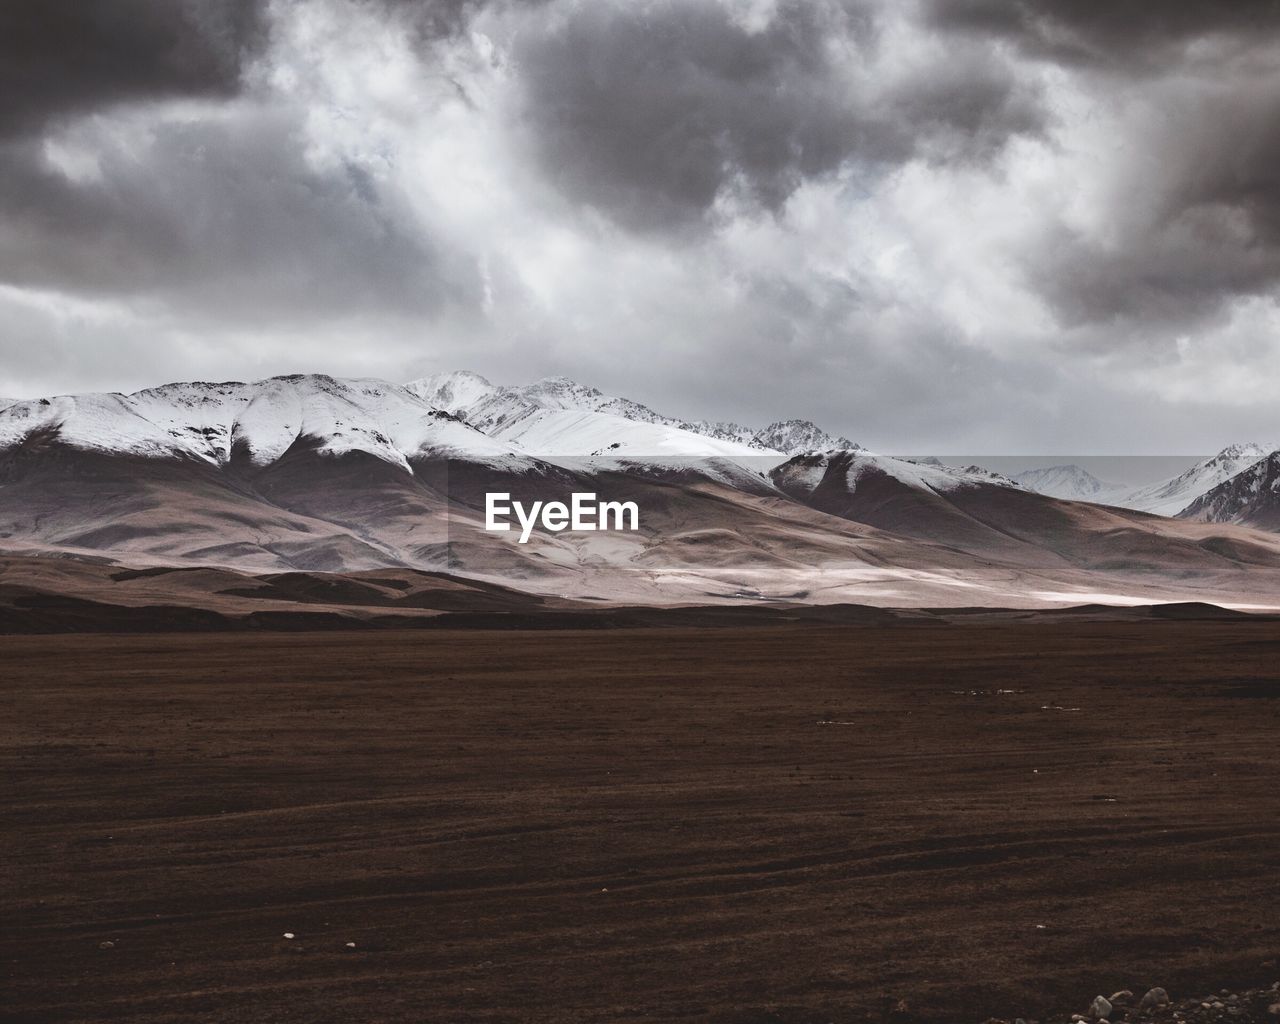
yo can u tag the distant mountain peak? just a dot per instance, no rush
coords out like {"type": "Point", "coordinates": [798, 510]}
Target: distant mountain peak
{"type": "Point", "coordinates": [1068, 481]}
{"type": "Point", "coordinates": [1250, 497]}
{"type": "Point", "coordinates": [1172, 496]}
{"type": "Point", "coordinates": [792, 437]}
{"type": "Point", "coordinates": [560, 381]}
{"type": "Point", "coordinates": [1251, 451]}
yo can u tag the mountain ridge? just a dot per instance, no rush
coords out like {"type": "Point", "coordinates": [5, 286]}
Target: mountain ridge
{"type": "Point", "coordinates": [1068, 481]}
{"type": "Point", "coordinates": [1250, 498]}
{"type": "Point", "coordinates": [321, 474]}
{"type": "Point", "coordinates": [500, 407]}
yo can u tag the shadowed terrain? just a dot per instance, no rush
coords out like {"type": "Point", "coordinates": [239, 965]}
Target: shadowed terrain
{"type": "Point", "coordinates": [791, 823]}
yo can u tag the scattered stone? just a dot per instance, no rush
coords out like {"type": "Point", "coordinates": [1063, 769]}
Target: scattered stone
{"type": "Point", "coordinates": [107, 945]}
{"type": "Point", "coordinates": [351, 945]}
{"type": "Point", "coordinates": [289, 935]}
{"type": "Point", "coordinates": [1154, 997]}
{"type": "Point", "coordinates": [1274, 1009]}
{"type": "Point", "coordinates": [1121, 997]}
{"type": "Point", "coordinates": [1100, 1008]}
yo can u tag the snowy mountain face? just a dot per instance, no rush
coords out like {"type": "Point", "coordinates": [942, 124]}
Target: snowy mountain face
{"type": "Point", "coordinates": [1071, 483]}
{"type": "Point", "coordinates": [796, 436]}
{"type": "Point", "coordinates": [463, 416]}
{"type": "Point", "coordinates": [558, 418]}
{"type": "Point", "coordinates": [1172, 496]}
{"type": "Point", "coordinates": [1166, 498]}
{"type": "Point", "coordinates": [724, 431]}
{"type": "Point", "coordinates": [1251, 498]}
{"type": "Point", "coordinates": [492, 407]}
{"type": "Point", "coordinates": [257, 422]}
{"type": "Point", "coordinates": [519, 413]}
{"type": "Point", "coordinates": [457, 415]}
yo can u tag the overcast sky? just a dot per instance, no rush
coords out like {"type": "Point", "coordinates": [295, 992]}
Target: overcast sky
{"type": "Point", "coordinates": [944, 225]}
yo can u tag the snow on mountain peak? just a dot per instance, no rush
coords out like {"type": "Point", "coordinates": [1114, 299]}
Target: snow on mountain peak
{"type": "Point", "coordinates": [791, 437]}
{"type": "Point", "coordinates": [459, 412]}
{"type": "Point", "coordinates": [453, 391]}
{"type": "Point", "coordinates": [1071, 482]}
{"type": "Point", "coordinates": [1172, 496]}
{"type": "Point", "coordinates": [506, 409]}
{"type": "Point", "coordinates": [258, 421]}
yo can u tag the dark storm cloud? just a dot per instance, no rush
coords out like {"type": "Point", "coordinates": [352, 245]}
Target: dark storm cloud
{"type": "Point", "coordinates": [434, 20]}
{"type": "Point", "coordinates": [222, 211]}
{"type": "Point", "coordinates": [225, 215]}
{"type": "Point", "coordinates": [1202, 223]}
{"type": "Point", "coordinates": [363, 185]}
{"type": "Point", "coordinates": [1195, 216]}
{"type": "Point", "coordinates": [64, 57]}
{"type": "Point", "coordinates": [1131, 35]}
{"type": "Point", "coordinates": [651, 111]}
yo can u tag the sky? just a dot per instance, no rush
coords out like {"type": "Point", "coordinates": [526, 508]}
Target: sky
{"type": "Point", "coordinates": [995, 226]}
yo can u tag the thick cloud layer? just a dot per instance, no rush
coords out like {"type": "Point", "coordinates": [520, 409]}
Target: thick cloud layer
{"type": "Point", "coordinates": [64, 57]}
{"type": "Point", "coordinates": [654, 113]}
{"type": "Point", "coordinates": [1133, 37]}
{"type": "Point", "coordinates": [942, 224]}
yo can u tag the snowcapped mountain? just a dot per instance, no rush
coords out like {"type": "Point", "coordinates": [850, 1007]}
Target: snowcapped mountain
{"type": "Point", "coordinates": [255, 423]}
{"type": "Point", "coordinates": [1070, 482]}
{"type": "Point", "coordinates": [525, 414]}
{"type": "Point", "coordinates": [463, 416]}
{"type": "Point", "coordinates": [315, 473]}
{"type": "Point", "coordinates": [1251, 498]}
{"type": "Point", "coordinates": [458, 416]}
{"type": "Point", "coordinates": [796, 436]}
{"type": "Point", "coordinates": [558, 418]}
{"type": "Point", "coordinates": [724, 431]}
{"type": "Point", "coordinates": [1166, 498]}
{"type": "Point", "coordinates": [1172, 496]}
{"type": "Point", "coordinates": [491, 407]}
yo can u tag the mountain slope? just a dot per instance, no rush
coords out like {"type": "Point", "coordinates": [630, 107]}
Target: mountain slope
{"type": "Point", "coordinates": [322, 475]}
{"type": "Point", "coordinates": [1166, 498]}
{"type": "Point", "coordinates": [1070, 482]}
{"type": "Point", "coordinates": [255, 423]}
{"type": "Point", "coordinates": [794, 437]}
{"type": "Point", "coordinates": [1251, 498]}
{"type": "Point", "coordinates": [1118, 550]}
{"type": "Point", "coordinates": [1172, 496]}
{"type": "Point", "coordinates": [524, 414]}
{"type": "Point", "coordinates": [556, 418]}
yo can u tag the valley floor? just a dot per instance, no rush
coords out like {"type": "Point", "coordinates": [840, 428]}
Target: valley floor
{"type": "Point", "coordinates": [785, 823]}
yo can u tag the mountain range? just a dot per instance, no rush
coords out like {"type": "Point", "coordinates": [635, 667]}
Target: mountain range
{"type": "Point", "coordinates": [1167, 497]}
{"type": "Point", "coordinates": [324, 475]}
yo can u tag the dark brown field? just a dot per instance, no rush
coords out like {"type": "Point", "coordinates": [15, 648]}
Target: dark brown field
{"type": "Point", "coordinates": [744, 824]}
